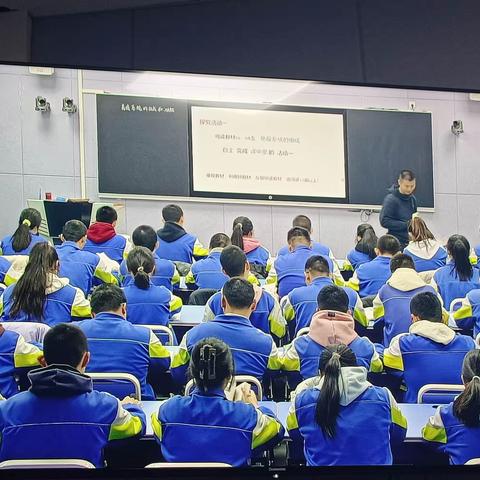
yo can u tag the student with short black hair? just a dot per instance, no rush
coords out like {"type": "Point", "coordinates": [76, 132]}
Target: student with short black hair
{"type": "Point", "coordinates": [427, 252]}
{"type": "Point", "coordinates": [207, 273]}
{"type": "Point", "coordinates": [332, 323]}
{"type": "Point", "coordinates": [267, 315]}
{"type": "Point", "coordinates": [254, 351]}
{"type": "Point", "coordinates": [147, 304]}
{"type": "Point", "coordinates": [301, 303]}
{"type": "Point", "coordinates": [392, 303]}
{"type": "Point", "coordinates": [458, 277]}
{"type": "Point", "coordinates": [102, 237]}
{"type": "Point", "coordinates": [364, 251]}
{"type": "Point", "coordinates": [165, 273]}
{"type": "Point", "coordinates": [16, 354]}
{"type": "Point", "coordinates": [430, 352]}
{"type": "Point", "coordinates": [79, 266]}
{"type": "Point", "coordinates": [26, 235]}
{"type": "Point", "coordinates": [40, 295]}
{"type": "Point", "coordinates": [334, 414]}
{"type": "Point", "coordinates": [116, 345]}
{"type": "Point", "coordinates": [455, 428]}
{"type": "Point", "coordinates": [257, 255]}
{"type": "Point", "coordinates": [175, 243]}
{"type": "Point", "coordinates": [370, 277]}
{"type": "Point", "coordinates": [206, 426]}
{"type": "Point", "coordinates": [288, 269]}
{"type": "Point", "coordinates": [76, 421]}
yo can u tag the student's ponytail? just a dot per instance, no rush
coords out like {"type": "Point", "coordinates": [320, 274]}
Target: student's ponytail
{"type": "Point", "coordinates": [333, 358]}
{"type": "Point", "coordinates": [30, 218]}
{"type": "Point", "coordinates": [140, 263]}
{"type": "Point", "coordinates": [368, 240]}
{"type": "Point", "coordinates": [29, 293]}
{"type": "Point", "coordinates": [459, 249]}
{"type": "Point", "coordinates": [242, 226]}
{"type": "Point", "coordinates": [466, 406]}
{"type": "Point", "coordinates": [211, 364]}
{"type": "Point", "coordinates": [419, 232]}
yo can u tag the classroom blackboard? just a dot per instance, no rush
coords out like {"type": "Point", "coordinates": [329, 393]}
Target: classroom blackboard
{"type": "Point", "coordinates": [143, 149]}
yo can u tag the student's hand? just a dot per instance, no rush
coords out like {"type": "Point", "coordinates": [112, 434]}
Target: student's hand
{"type": "Point", "coordinates": [130, 400]}
{"type": "Point", "coordinates": [248, 395]}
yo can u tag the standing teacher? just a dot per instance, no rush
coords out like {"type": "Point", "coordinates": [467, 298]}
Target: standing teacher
{"type": "Point", "coordinates": [399, 206]}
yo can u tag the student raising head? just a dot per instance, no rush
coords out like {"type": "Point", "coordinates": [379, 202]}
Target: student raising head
{"type": "Point", "coordinates": [458, 277]}
{"type": "Point", "coordinates": [207, 427]}
{"type": "Point", "coordinates": [40, 295]}
{"type": "Point", "coordinates": [242, 237]}
{"type": "Point", "coordinates": [336, 413]}
{"type": "Point", "coordinates": [427, 253]}
{"type": "Point", "coordinates": [267, 315]}
{"type": "Point", "coordinates": [147, 304]}
{"type": "Point", "coordinates": [430, 352]}
{"type": "Point", "coordinates": [254, 351]}
{"type": "Point", "coordinates": [455, 428]}
{"type": "Point", "coordinates": [369, 277]}
{"type": "Point", "coordinates": [25, 236]}
{"type": "Point", "coordinates": [76, 421]}
{"type": "Point", "coordinates": [301, 303]}
{"type": "Point", "coordinates": [81, 267]}
{"type": "Point", "coordinates": [364, 250]}
{"type": "Point", "coordinates": [102, 237]}
{"type": "Point", "coordinates": [175, 243]}
{"type": "Point", "coordinates": [165, 273]}
{"type": "Point", "coordinates": [207, 273]}
{"type": "Point", "coordinates": [331, 323]}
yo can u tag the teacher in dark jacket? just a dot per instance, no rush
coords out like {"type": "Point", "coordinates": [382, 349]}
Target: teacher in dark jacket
{"type": "Point", "coordinates": [399, 206]}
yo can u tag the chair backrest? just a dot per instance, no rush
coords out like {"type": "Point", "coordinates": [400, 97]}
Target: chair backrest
{"type": "Point", "coordinates": [201, 296]}
{"type": "Point", "coordinates": [117, 384]}
{"type": "Point", "coordinates": [30, 331]}
{"type": "Point", "coordinates": [47, 463]}
{"type": "Point", "coordinates": [189, 465]}
{"type": "Point", "coordinates": [436, 393]}
{"type": "Point", "coordinates": [302, 331]}
{"type": "Point", "coordinates": [164, 334]}
{"type": "Point", "coordinates": [254, 382]}
{"type": "Point", "coordinates": [473, 461]}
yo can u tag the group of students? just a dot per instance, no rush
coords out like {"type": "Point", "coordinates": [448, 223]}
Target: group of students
{"type": "Point", "coordinates": [97, 327]}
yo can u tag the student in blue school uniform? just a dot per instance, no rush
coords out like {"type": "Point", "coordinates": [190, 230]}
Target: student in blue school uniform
{"type": "Point", "coordinates": [331, 324]}
{"type": "Point", "coordinates": [102, 237]}
{"type": "Point", "coordinates": [392, 303]}
{"type": "Point", "coordinates": [15, 354]}
{"type": "Point", "coordinates": [364, 250]}
{"type": "Point", "coordinates": [207, 426]}
{"type": "Point", "coordinates": [242, 237]}
{"type": "Point", "coordinates": [147, 304]}
{"type": "Point", "coordinates": [11, 270]}
{"type": "Point", "coordinates": [267, 315]}
{"type": "Point", "coordinates": [301, 303]}
{"type": "Point", "coordinates": [427, 252]}
{"type": "Point", "coordinates": [26, 235]}
{"type": "Point", "coordinates": [207, 273]}
{"type": "Point", "coordinates": [165, 273]}
{"type": "Point", "coordinates": [341, 418]}
{"type": "Point", "coordinates": [370, 277]}
{"type": "Point", "coordinates": [40, 295]}
{"type": "Point", "coordinates": [82, 267]}
{"type": "Point", "coordinates": [454, 429]}
{"type": "Point", "coordinates": [430, 352]}
{"type": "Point", "coordinates": [175, 243]}
{"type": "Point", "coordinates": [458, 277]}
{"type": "Point", "coordinates": [254, 351]}
{"type": "Point", "coordinates": [75, 421]}
{"type": "Point", "coordinates": [118, 346]}
{"type": "Point", "coordinates": [466, 312]}
{"type": "Point", "coordinates": [288, 270]}
{"type": "Point", "coordinates": [304, 222]}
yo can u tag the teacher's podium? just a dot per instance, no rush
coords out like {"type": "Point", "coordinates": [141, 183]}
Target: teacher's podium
{"type": "Point", "coordinates": [56, 214]}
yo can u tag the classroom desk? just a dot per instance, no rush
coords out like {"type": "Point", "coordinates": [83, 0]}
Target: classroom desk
{"type": "Point", "coordinates": [150, 407]}
{"type": "Point", "coordinates": [190, 316]}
